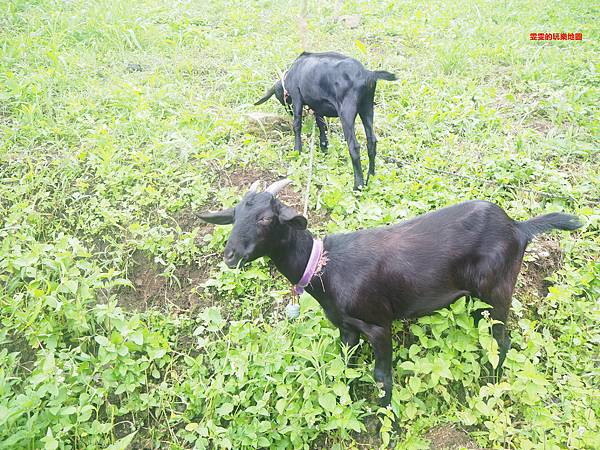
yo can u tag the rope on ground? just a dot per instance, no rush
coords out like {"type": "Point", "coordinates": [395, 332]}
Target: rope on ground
{"type": "Point", "coordinates": [310, 170]}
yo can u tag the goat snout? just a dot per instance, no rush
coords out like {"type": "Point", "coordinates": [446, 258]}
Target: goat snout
{"type": "Point", "coordinates": [231, 258]}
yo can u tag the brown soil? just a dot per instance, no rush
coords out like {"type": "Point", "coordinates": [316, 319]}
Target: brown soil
{"type": "Point", "coordinates": [449, 437]}
{"type": "Point", "coordinates": [187, 219]}
{"type": "Point", "coordinates": [370, 438]}
{"type": "Point", "coordinates": [542, 126]}
{"type": "Point", "coordinates": [265, 123]}
{"type": "Point", "coordinates": [442, 437]}
{"type": "Point", "coordinates": [152, 290]}
{"type": "Point", "coordinates": [547, 256]}
{"type": "Point", "coordinates": [245, 176]}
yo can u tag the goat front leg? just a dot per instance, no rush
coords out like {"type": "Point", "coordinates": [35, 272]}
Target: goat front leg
{"type": "Point", "coordinates": [380, 338]}
{"type": "Point", "coordinates": [297, 107]}
{"type": "Point", "coordinates": [323, 142]}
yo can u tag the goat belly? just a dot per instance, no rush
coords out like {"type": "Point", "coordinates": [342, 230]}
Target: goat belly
{"type": "Point", "coordinates": [423, 306]}
{"type": "Point", "coordinates": [325, 109]}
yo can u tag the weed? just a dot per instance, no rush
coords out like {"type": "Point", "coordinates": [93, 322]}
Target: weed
{"type": "Point", "coordinates": [120, 120]}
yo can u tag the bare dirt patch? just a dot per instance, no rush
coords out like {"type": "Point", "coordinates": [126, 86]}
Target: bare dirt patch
{"type": "Point", "coordinates": [370, 438]}
{"type": "Point", "coordinates": [265, 123]}
{"type": "Point", "coordinates": [243, 177]}
{"type": "Point", "coordinates": [151, 289]}
{"type": "Point", "coordinates": [542, 126]}
{"type": "Point", "coordinates": [188, 220]}
{"type": "Point", "coordinates": [448, 437]}
{"type": "Point", "coordinates": [547, 259]}
{"type": "Point", "coordinates": [296, 200]}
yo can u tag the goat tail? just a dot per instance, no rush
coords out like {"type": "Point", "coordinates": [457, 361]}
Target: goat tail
{"type": "Point", "coordinates": [547, 222]}
{"type": "Point", "coordinates": [383, 75]}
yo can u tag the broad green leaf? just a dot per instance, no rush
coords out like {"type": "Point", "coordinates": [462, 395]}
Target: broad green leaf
{"type": "Point", "coordinates": [123, 443]}
{"type": "Point", "coordinates": [415, 384]}
{"type": "Point", "coordinates": [137, 337]}
{"type": "Point", "coordinates": [50, 443]}
{"type": "Point", "coordinates": [224, 409]}
{"type": "Point", "coordinates": [191, 426]}
{"type": "Point", "coordinates": [328, 402]}
{"type": "Point", "coordinates": [336, 368]}
{"type": "Point", "coordinates": [102, 340]}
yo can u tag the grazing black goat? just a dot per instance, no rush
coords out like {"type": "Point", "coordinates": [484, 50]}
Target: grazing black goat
{"type": "Point", "coordinates": [366, 279]}
{"type": "Point", "coordinates": [332, 85]}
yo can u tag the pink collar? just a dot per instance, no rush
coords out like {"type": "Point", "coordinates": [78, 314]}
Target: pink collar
{"type": "Point", "coordinates": [315, 263]}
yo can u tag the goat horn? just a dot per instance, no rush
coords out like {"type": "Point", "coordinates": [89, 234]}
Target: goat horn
{"type": "Point", "coordinates": [254, 186]}
{"type": "Point", "coordinates": [276, 187]}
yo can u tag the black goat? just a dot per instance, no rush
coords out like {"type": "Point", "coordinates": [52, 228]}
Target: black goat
{"type": "Point", "coordinates": [332, 85]}
{"type": "Point", "coordinates": [372, 277]}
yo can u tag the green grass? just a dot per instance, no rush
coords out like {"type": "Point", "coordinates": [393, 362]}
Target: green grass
{"type": "Point", "coordinates": [119, 121]}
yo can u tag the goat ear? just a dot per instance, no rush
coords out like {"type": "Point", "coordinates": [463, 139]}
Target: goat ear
{"type": "Point", "coordinates": [291, 217]}
{"type": "Point", "coordinates": [224, 217]}
{"type": "Point", "coordinates": [267, 96]}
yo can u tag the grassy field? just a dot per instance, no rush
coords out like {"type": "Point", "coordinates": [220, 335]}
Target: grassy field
{"type": "Point", "coordinates": [120, 121]}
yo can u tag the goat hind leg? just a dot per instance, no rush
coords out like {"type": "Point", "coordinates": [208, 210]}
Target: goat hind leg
{"type": "Point", "coordinates": [503, 338]}
{"type": "Point", "coordinates": [501, 302]}
{"type": "Point", "coordinates": [366, 116]}
{"type": "Point", "coordinates": [348, 116]}
{"type": "Point", "coordinates": [381, 340]}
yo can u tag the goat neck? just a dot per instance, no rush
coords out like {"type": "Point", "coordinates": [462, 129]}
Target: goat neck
{"type": "Point", "coordinates": [292, 253]}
